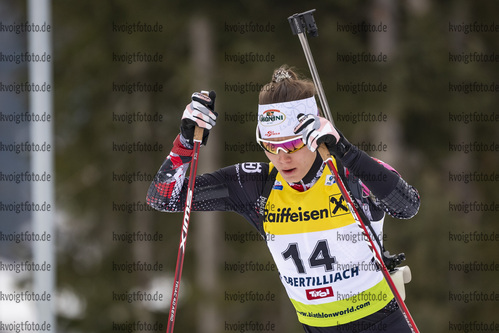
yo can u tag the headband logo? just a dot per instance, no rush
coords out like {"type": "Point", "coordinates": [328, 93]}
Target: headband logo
{"type": "Point", "coordinates": [271, 133]}
{"type": "Point", "coordinates": [271, 118]}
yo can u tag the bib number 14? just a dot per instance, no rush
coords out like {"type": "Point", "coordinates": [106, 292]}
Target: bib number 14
{"type": "Point", "coordinates": [320, 256]}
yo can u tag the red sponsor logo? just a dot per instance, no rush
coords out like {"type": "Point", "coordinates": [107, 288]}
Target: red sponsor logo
{"type": "Point", "coordinates": [319, 293]}
{"type": "Point", "coordinates": [270, 113]}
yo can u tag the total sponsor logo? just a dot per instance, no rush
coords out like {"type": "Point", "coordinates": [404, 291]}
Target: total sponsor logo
{"type": "Point", "coordinates": [319, 293]}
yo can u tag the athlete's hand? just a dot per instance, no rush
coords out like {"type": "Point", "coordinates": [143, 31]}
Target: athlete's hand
{"type": "Point", "coordinates": [200, 112]}
{"type": "Point", "coordinates": [316, 130]}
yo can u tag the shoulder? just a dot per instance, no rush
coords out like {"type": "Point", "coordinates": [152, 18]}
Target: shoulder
{"type": "Point", "coordinates": [254, 167]}
{"type": "Point", "coordinates": [253, 172]}
{"type": "Point", "coordinates": [245, 173]}
{"type": "Point", "coordinates": [386, 165]}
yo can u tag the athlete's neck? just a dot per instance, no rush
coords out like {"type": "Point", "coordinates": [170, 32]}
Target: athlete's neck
{"type": "Point", "coordinates": [311, 177]}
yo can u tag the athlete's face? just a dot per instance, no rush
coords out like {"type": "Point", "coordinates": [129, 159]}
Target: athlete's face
{"type": "Point", "coordinates": [293, 167]}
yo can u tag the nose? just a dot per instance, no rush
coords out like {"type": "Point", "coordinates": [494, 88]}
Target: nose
{"type": "Point", "coordinates": [282, 156]}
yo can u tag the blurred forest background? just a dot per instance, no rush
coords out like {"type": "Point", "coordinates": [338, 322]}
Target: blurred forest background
{"type": "Point", "coordinates": [201, 46]}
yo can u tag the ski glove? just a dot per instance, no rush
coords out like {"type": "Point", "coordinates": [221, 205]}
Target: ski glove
{"type": "Point", "coordinates": [316, 130]}
{"type": "Point", "coordinates": [200, 112]}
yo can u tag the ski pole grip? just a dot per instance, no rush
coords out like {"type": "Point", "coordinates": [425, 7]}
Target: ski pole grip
{"type": "Point", "coordinates": [324, 152]}
{"type": "Point", "coordinates": [303, 22]}
{"type": "Point", "coordinates": [198, 134]}
{"type": "Point", "coordinates": [198, 131]}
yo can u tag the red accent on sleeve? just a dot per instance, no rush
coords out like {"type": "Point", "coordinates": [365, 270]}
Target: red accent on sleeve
{"type": "Point", "coordinates": [179, 149]}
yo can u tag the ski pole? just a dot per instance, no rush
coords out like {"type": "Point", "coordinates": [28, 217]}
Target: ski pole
{"type": "Point", "coordinates": [326, 156]}
{"type": "Point", "coordinates": [301, 23]}
{"type": "Point", "coordinates": [198, 136]}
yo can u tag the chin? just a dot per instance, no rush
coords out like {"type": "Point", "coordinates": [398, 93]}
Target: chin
{"type": "Point", "coordinates": [292, 178]}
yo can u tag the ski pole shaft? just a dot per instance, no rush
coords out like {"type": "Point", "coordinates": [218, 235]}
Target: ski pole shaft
{"type": "Point", "coordinates": [300, 24]}
{"type": "Point", "coordinates": [326, 156]}
{"type": "Point", "coordinates": [198, 136]}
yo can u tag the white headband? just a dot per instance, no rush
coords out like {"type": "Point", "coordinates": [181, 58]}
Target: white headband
{"type": "Point", "coordinates": [279, 119]}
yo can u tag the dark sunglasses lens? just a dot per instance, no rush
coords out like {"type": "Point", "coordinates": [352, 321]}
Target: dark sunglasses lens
{"type": "Point", "coordinates": [288, 147]}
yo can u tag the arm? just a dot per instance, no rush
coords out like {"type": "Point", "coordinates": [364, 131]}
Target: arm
{"type": "Point", "coordinates": [234, 188]}
{"type": "Point", "coordinates": [395, 196]}
{"type": "Point", "coordinates": [170, 182]}
{"type": "Point", "coordinates": [170, 179]}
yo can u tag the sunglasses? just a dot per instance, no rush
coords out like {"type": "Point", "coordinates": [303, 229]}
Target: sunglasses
{"type": "Point", "coordinates": [288, 146]}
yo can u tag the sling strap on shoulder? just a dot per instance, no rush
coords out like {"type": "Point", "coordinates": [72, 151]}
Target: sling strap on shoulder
{"type": "Point", "coordinates": [264, 197]}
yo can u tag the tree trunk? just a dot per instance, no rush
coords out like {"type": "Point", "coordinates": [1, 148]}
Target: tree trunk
{"type": "Point", "coordinates": [206, 225]}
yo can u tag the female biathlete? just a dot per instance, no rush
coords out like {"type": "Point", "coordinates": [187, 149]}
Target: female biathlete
{"type": "Point", "coordinates": [293, 200]}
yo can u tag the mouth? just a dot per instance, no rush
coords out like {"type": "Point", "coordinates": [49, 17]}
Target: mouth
{"type": "Point", "coordinates": [288, 171]}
